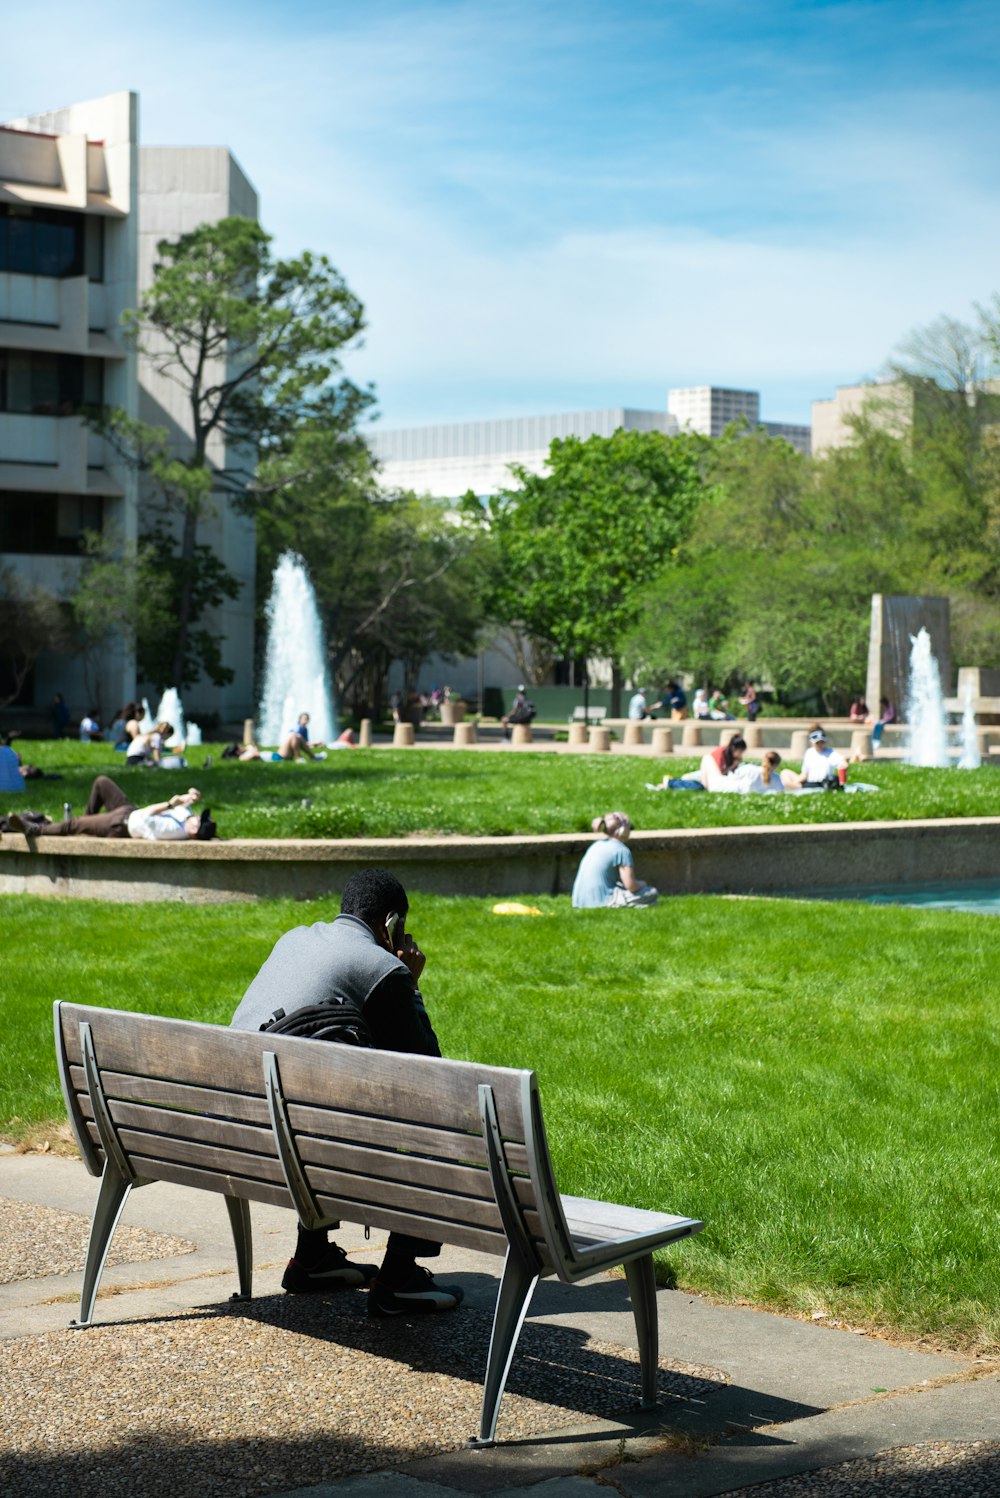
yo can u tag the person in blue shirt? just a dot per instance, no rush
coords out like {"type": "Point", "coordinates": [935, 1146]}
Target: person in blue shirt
{"type": "Point", "coordinates": [296, 743]}
{"type": "Point", "coordinates": [675, 698]}
{"type": "Point", "coordinates": [606, 876]}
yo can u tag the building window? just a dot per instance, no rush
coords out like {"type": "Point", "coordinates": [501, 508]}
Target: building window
{"type": "Point", "coordinates": [50, 242]}
{"type": "Point", "coordinates": [47, 524]}
{"type": "Point", "coordinates": [36, 384]}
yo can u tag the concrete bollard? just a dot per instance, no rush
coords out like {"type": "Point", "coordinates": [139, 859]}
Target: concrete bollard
{"type": "Point", "coordinates": [634, 736]}
{"type": "Point", "coordinates": [248, 737]}
{"type": "Point", "coordinates": [799, 744]}
{"type": "Point", "coordinates": [465, 734]}
{"type": "Point", "coordinates": [600, 740]}
{"type": "Point", "coordinates": [861, 743]}
{"type": "Point", "coordinates": [365, 734]}
{"type": "Point", "coordinates": [403, 736]}
{"type": "Point", "coordinates": [663, 741]}
{"type": "Point", "coordinates": [691, 736]}
{"type": "Point", "coordinates": [754, 736]}
{"type": "Point", "coordinates": [520, 735]}
{"type": "Point", "coordinates": [578, 735]}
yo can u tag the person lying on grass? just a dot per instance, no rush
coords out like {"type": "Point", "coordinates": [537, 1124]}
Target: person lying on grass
{"type": "Point", "coordinates": [110, 813]}
{"type": "Point", "coordinates": [606, 876]}
{"type": "Point", "coordinates": [741, 777]}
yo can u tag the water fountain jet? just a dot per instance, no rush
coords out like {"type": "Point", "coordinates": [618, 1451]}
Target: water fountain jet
{"type": "Point", "coordinates": [296, 679]}
{"type": "Point", "coordinates": [925, 707]}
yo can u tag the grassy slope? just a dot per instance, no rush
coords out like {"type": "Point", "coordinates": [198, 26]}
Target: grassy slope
{"type": "Point", "coordinates": [386, 793]}
{"type": "Point", "coordinates": [818, 1081]}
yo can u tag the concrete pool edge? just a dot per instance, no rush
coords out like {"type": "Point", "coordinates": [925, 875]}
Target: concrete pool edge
{"type": "Point", "coordinates": [718, 860]}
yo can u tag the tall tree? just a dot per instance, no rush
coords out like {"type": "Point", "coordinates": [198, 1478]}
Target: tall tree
{"type": "Point", "coordinates": [32, 622]}
{"type": "Point", "coordinates": [253, 343]}
{"type": "Point", "coordinates": [575, 546]}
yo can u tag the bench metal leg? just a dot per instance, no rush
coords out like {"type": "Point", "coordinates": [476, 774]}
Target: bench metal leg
{"type": "Point", "coordinates": [239, 1221]}
{"type": "Point", "coordinates": [110, 1200]}
{"type": "Point", "coordinates": [513, 1300]}
{"type": "Point", "coordinates": [642, 1293]}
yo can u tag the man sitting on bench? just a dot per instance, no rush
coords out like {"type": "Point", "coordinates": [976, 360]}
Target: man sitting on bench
{"type": "Point", "coordinates": [110, 813]}
{"type": "Point", "coordinates": [366, 957]}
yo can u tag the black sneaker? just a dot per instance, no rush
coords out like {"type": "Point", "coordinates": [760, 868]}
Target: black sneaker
{"type": "Point", "coordinates": [417, 1296]}
{"type": "Point", "coordinates": [335, 1271]}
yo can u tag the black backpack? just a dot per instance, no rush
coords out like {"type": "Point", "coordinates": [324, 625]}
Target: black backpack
{"type": "Point", "coordinates": [338, 1020]}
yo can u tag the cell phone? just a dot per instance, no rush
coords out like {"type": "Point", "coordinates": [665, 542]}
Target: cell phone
{"type": "Point", "coordinates": [393, 930]}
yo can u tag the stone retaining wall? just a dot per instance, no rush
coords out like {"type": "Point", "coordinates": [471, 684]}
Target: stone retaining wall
{"type": "Point", "coordinates": [716, 860]}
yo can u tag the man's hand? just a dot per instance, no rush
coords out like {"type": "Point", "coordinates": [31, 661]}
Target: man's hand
{"type": "Point", "coordinates": [411, 954]}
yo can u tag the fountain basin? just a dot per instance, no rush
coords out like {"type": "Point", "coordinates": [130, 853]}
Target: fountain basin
{"type": "Point", "coordinates": [723, 860]}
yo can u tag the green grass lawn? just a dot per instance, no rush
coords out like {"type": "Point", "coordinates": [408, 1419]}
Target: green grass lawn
{"type": "Point", "coordinates": [383, 793]}
{"type": "Point", "coordinates": [819, 1082]}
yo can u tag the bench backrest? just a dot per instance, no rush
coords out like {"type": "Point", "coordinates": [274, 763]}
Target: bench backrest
{"type": "Point", "coordinates": [378, 1137]}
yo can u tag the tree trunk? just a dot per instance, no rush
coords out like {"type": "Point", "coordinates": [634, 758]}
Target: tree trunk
{"type": "Point", "coordinates": [189, 537]}
{"type": "Point", "coordinates": [616, 688]}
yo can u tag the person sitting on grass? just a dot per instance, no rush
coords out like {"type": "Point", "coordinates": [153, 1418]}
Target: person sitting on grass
{"type": "Point", "coordinates": [606, 876]}
{"type": "Point", "coordinates": [823, 767]}
{"type": "Point", "coordinates": [296, 743]}
{"type": "Point", "coordinates": [147, 748]}
{"type": "Point", "coordinates": [365, 959]}
{"type": "Point", "coordinates": [110, 813]}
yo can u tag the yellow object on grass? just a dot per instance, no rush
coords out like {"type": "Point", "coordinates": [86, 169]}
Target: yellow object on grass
{"type": "Point", "coordinates": [513, 907]}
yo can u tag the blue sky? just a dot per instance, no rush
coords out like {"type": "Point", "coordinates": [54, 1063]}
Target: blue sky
{"type": "Point", "coordinates": [550, 206]}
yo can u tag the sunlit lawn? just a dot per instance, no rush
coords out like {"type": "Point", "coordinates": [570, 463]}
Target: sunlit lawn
{"type": "Point", "coordinates": [384, 792]}
{"type": "Point", "coordinates": [819, 1082]}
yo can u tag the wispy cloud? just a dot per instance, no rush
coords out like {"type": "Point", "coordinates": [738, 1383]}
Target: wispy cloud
{"type": "Point", "coordinates": [547, 202]}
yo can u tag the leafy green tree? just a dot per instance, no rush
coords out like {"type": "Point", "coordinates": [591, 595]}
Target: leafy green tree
{"type": "Point", "coordinates": [574, 547]}
{"type": "Point", "coordinates": [32, 622]}
{"type": "Point", "coordinates": [253, 343]}
{"type": "Point", "coordinates": [116, 584]}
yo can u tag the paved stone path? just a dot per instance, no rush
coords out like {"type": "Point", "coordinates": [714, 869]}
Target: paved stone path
{"type": "Point", "coordinates": [174, 1390]}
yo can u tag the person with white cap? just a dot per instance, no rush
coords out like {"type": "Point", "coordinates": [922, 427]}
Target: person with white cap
{"type": "Point", "coordinates": [822, 765]}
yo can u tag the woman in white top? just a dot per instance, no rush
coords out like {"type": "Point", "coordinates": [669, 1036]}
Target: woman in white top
{"type": "Point", "coordinates": [146, 748]}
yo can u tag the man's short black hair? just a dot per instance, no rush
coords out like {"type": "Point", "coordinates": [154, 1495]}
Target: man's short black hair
{"type": "Point", "coordinates": [373, 894]}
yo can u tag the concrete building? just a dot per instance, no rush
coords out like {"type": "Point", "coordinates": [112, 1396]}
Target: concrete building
{"type": "Point", "coordinates": [709, 409]}
{"type": "Point", "coordinates": [82, 207]}
{"type": "Point", "coordinates": [892, 405]}
{"type": "Point", "coordinates": [452, 459]}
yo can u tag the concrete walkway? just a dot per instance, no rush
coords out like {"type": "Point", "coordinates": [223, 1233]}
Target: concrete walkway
{"type": "Point", "coordinates": [757, 1397]}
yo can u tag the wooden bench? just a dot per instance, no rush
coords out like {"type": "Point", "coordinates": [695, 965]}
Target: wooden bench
{"type": "Point", "coordinates": [445, 1150]}
{"type": "Point", "coordinates": [588, 715]}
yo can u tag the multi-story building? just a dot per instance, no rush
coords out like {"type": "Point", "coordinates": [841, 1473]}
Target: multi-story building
{"type": "Point", "coordinates": [82, 207]}
{"type": "Point", "coordinates": [450, 460]}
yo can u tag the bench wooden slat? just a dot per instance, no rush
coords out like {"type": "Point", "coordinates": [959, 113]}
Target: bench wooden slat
{"type": "Point", "coordinates": [439, 1175]}
{"type": "Point", "coordinates": [389, 1133]}
{"type": "Point", "coordinates": [209, 1100]}
{"type": "Point", "coordinates": [423, 1090]}
{"type": "Point", "coordinates": [209, 1180]}
{"type": "Point", "coordinates": [605, 1222]}
{"type": "Point", "coordinates": [154, 1147]}
{"type": "Point", "coordinates": [178, 1125]}
{"type": "Point", "coordinates": [465, 1235]}
{"type": "Point", "coordinates": [402, 1197]}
